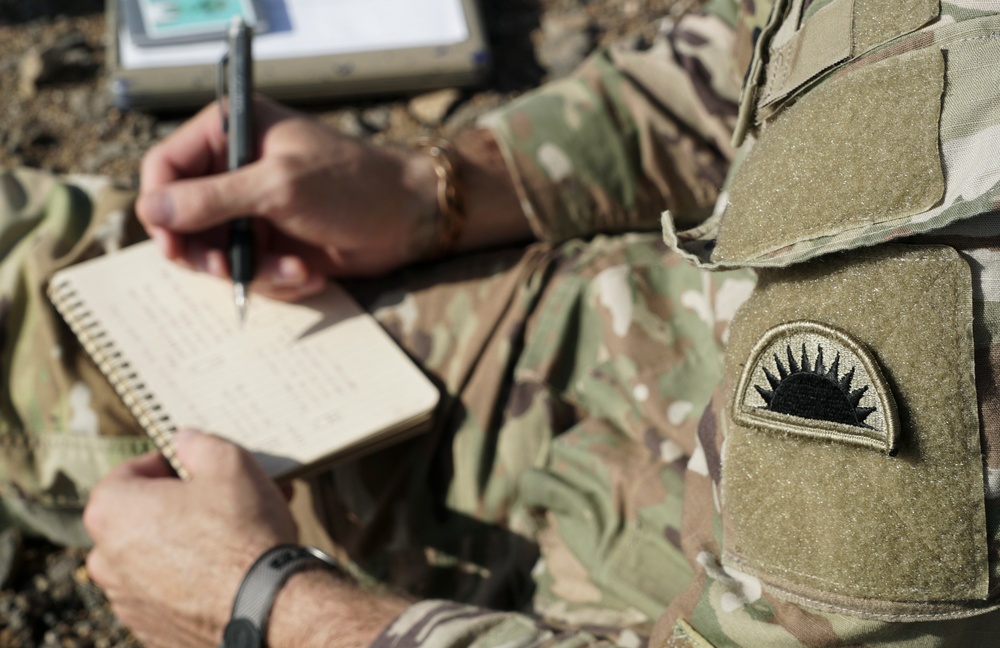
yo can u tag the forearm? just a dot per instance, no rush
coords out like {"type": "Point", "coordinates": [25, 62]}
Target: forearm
{"type": "Point", "coordinates": [493, 211]}
{"type": "Point", "coordinates": [322, 609]}
{"type": "Point", "coordinates": [490, 208]}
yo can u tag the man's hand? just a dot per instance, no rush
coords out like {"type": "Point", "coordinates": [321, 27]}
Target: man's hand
{"type": "Point", "coordinates": [170, 555]}
{"type": "Point", "coordinates": [328, 204]}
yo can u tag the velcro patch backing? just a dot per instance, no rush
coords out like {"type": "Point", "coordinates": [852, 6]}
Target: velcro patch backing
{"type": "Point", "coordinates": [858, 150]}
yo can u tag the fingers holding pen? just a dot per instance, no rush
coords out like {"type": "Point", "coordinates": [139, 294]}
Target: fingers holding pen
{"type": "Point", "coordinates": [286, 277]}
{"type": "Point", "coordinates": [196, 204]}
{"type": "Point", "coordinates": [199, 146]}
{"type": "Point", "coordinates": [188, 217]}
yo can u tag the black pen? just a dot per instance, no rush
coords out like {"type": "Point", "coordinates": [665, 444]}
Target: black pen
{"type": "Point", "coordinates": [239, 125]}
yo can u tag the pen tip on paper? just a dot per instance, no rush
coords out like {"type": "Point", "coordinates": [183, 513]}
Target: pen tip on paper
{"type": "Point", "coordinates": [241, 300]}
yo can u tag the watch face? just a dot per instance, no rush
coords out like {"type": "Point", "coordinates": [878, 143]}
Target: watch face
{"type": "Point", "coordinates": [241, 633]}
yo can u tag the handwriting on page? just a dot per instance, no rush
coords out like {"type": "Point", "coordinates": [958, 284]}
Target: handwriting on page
{"type": "Point", "coordinates": [294, 380]}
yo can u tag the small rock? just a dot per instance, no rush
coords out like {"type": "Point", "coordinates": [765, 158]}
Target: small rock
{"type": "Point", "coordinates": [107, 153]}
{"type": "Point", "coordinates": [40, 63]}
{"type": "Point", "coordinates": [376, 118]}
{"type": "Point", "coordinates": [469, 112]}
{"type": "Point", "coordinates": [566, 41]}
{"type": "Point", "coordinates": [36, 64]}
{"type": "Point", "coordinates": [83, 629]}
{"type": "Point", "coordinates": [79, 101]}
{"type": "Point", "coordinates": [401, 122]}
{"type": "Point", "coordinates": [349, 123]}
{"type": "Point", "coordinates": [41, 583]}
{"type": "Point", "coordinates": [100, 102]}
{"type": "Point", "coordinates": [74, 51]}
{"type": "Point", "coordinates": [9, 63]}
{"type": "Point", "coordinates": [431, 108]}
{"type": "Point", "coordinates": [63, 566]}
{"type": "Point", "coordinates": [60, 574]}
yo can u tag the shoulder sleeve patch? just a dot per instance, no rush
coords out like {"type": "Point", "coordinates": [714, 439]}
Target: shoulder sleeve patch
{"type": "Point", "coordinates": [810, 379]}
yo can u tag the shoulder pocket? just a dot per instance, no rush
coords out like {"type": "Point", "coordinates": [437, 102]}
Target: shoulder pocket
{"type": "Point", "coordinates": [821, 499]}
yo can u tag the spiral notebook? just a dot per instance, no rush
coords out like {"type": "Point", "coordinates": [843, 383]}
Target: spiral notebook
{"type": "Point", "coordinates": [298, 385]}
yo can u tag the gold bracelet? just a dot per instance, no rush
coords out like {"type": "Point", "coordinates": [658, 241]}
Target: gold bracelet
{"type": "Point", "coordinates": [450, 203]}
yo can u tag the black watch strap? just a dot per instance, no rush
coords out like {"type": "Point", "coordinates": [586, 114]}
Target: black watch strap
{"type": "Point", "coordinates": [247, 627]}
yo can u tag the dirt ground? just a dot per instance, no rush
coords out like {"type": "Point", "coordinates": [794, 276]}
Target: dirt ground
{"type": "Point", "coordinates": [57, 115]}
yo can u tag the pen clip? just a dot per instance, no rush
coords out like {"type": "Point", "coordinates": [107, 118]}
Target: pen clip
{"type": "Point", "coordinates": [220, 90]}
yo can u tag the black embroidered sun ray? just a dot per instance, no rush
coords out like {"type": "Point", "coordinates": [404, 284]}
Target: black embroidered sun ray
{"type": "Point", "coordinates": [864, 412]}
{"type": "Point", "coordinates": [782, 372]}
{"type": "Point", "coordinates": [793, 367]}
{"type": "Point", "coordinates": [856, 395]}
{"type": "Point", "coordinates": [834, 368]}
{"type": "Point", "coordinates": [845, 382]}
{"type": "Point", "coordinates": [820, 368]}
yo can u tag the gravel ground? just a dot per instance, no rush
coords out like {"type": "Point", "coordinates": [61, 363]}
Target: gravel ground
{"type": "Point", "coordinates": [56, 115]}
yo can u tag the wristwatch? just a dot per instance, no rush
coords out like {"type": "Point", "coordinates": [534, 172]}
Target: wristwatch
{"type": "Point", "coordinates": [247, 627]}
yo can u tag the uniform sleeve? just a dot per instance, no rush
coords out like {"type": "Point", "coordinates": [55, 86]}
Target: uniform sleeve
{"type": "Point", "coordinates": [443, 624]}
{"type": "Point", "coordinates": [632, 132]}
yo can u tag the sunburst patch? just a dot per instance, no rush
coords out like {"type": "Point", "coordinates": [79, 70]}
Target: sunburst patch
{"type": "Point", "coordinates": [811, 379]}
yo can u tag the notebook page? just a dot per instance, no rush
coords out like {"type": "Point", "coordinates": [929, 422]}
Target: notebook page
{"type": "Point", "coordinates": [296, 383]}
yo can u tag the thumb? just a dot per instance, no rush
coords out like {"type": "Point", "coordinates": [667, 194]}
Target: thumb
{"type": "Point", "coordinates": [196, 204]}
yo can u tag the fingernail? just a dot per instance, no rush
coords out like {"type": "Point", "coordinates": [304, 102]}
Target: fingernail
{"type": "Point", "coordinates": [215, 263]}
{"type": "Point", "coordinates": [156, 207]}
{"type": "Point", "coordinates": [289, 273]}
{"type": "Point", "coordinates": [313, 285]}
{"type": "Point", "coordinates": [161, 241]}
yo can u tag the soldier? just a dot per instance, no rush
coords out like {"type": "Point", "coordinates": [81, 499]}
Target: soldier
{"type": "Point", "coordinates": [818, 469]}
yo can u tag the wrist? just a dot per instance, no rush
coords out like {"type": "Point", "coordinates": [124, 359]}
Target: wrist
{"type": "Point", "coordinates": [420, 213]}
{"type": "Point", "coordinates": [261, 584]}
{"type": "Point", "coordinates": [490, 210]}
{"type": "Point", "coordinates": [324, 609]}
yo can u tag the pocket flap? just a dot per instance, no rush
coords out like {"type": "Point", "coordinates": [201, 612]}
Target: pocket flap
{"type": "Point", "coordinates": [857, 152]}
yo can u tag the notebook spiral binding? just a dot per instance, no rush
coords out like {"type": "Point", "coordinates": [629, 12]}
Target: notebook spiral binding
{"type": "Point", "coordinates": [127, 383]}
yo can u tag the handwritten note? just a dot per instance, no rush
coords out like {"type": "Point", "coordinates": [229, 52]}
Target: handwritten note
{"type": "Point", "coordinates": [297, 383]}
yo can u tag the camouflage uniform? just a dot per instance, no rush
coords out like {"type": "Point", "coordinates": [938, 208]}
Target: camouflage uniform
{"type": "Point", "coordinates": [600, 466]}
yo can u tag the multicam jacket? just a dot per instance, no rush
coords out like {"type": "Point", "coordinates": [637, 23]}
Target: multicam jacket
{"type": "Point", "coordinates": [841, 487]}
